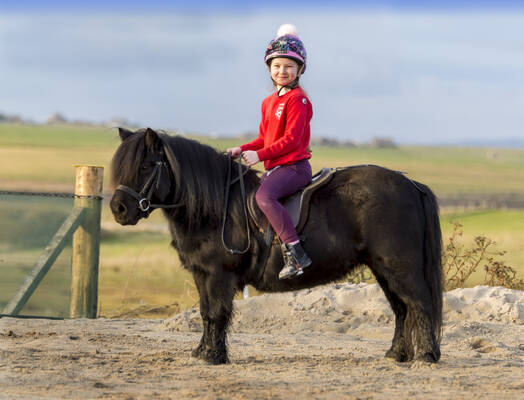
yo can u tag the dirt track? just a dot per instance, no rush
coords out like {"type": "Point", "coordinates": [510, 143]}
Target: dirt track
{"type": "Point", "coordinates": [145, 359]}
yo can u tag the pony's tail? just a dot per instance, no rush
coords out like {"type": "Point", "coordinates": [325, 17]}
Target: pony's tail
{"type": "Point", "coordinates": [433, 258]}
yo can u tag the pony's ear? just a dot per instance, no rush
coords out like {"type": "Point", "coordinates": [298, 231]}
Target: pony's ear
{"type": "Point", "coordinates": [151, 138]}
{"type": "Point", "coordinates": [125, 133]}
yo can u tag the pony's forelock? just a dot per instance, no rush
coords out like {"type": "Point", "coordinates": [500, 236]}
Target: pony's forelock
{"type": "Point", "coordinates": [131, 152]}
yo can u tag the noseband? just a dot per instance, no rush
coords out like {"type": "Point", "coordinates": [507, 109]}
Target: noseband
{"type": "Point", "coordinates": [152, 184]}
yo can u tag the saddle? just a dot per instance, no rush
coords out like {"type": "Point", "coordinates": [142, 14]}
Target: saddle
{"type": "Point", "coordinates": [297, 205]}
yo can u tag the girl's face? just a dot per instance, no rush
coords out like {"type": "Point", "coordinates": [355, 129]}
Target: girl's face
{"type": "Point", "coordinates": [283, 70]}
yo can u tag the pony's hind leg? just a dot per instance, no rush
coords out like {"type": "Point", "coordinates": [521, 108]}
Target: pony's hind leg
{"type": "Point", "coordinates": [401, 347]}
{"type": "Point", "coordinates": [414, 292]}
{"type": "Point", "coordinates": [410, 299]}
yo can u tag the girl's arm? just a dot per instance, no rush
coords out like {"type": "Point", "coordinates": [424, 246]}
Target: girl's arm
{"type": "Point", "coordinates": [296, 121]}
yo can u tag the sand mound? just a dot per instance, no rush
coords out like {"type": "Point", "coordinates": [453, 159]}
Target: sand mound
{"type": "Point", "coordinates": [484, 303]}
{"type": "Point", "coordinates": [348, 307]}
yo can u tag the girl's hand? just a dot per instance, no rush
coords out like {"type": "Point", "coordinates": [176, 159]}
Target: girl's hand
{"type": "Point", "coordinates": [235, 151]}
{"type": "Point", "coordinates": [251, 157]}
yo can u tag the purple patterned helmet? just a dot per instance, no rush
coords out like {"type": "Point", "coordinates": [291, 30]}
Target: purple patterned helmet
{"type": "Point", "coordinates": [288, 45]}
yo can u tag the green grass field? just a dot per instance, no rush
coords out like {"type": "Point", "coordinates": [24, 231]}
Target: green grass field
{"type": "Point", "coordinates": [139, 269]}
{"type": "Point", "coordinates": [36, 156]}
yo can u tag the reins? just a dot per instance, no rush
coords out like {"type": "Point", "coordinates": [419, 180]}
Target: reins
{"type": "Point", "coordinates": [229, 183]}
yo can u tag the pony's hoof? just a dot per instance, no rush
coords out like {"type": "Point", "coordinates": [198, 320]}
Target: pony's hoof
{"type": "Point", "coordinates": [215, 357]}
{"type": "Point", "coordinates": [397, 355]}
{"type": "Point", "coordinates": [428, 357]}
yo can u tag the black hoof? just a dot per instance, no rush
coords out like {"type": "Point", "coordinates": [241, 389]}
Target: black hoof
{"type": "Point", "coordinates": [215, 357]}
{"type": "Point", "coordinates": [428, 357]}
{"type": "Point", "coordinates": [397, 355]}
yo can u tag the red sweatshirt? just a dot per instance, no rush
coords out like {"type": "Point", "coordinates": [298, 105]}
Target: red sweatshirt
{"type": "Point", "coordinates": [284, 130]}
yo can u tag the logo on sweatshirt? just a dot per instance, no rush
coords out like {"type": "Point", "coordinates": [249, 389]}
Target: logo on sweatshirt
{"type": "Point", "coordinates": [280, 108]}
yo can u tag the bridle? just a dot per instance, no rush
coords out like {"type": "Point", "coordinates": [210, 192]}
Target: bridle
{"type": "Point", "coordinates": [152, 184]}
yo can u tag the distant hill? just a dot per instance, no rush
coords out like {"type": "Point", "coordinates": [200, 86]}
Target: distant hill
{"type": "Point", "coordinates": [513, 143]}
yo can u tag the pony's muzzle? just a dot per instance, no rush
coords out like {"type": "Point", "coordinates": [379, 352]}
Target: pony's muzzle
{"type": "Point", "coordinates": [119, 210]}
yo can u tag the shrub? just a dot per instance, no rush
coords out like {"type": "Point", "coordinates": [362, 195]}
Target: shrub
{"type": "Point", "coordinates": [460, 262]}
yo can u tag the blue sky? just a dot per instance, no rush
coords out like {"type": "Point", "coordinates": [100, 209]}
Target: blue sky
{"type": "Point", "coordinates": [432, 73]}
{"type": "Point", "coordinates": [118, 5]}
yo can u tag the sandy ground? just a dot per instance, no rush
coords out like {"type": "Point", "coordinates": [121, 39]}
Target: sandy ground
{"type": "Point", "coordinates": [326, 343]}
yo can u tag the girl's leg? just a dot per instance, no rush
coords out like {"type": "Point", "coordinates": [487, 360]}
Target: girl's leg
{"type": "Point", "coordinates": [280, 183]}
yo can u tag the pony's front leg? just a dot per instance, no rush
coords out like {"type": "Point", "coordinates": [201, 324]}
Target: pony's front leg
{"type": "Point", "coordinates": [401, 348]}
{"type": "Point", "coordinates": [220, 292]}
{"type": "Point", "coordinates": [200, 282]}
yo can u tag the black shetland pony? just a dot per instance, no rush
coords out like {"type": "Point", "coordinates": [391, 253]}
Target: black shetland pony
{"type": "Point", "coordinates": [365, 215]}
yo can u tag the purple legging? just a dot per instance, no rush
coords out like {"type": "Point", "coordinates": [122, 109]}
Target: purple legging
{"type": "Point", "coordinates": [277, 183]}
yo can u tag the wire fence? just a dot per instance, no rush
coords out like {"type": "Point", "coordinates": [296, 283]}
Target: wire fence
{"type": "Point", "coordinates": [48, 194]}
{"type": "Point", "coordinates": [28, 222]}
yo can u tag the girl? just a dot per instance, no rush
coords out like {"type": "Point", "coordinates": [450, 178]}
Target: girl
{"type": "Point", "coordinates": [282, 143]}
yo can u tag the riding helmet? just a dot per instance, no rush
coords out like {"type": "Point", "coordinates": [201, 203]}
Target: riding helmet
{"type": "Point", "coordinates": [288, 45]}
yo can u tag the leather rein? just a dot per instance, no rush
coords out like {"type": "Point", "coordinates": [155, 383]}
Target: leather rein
{"type": "Point", "coordinates": [230, 183]}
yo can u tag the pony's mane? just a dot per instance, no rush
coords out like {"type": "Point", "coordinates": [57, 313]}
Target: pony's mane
{"type": "Point", "coordinates": [200, 174]}
{"type": "Point", "coordinates": [129, 154]}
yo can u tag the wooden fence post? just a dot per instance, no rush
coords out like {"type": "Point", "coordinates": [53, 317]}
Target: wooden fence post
{"type": "Point", "coordinates": [86, 243]}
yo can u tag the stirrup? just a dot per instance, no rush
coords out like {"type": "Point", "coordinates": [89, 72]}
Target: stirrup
{"type": "Point", "coordinates": [289, 272]}
{"type": "Point", "coordinates": [295, 261]}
